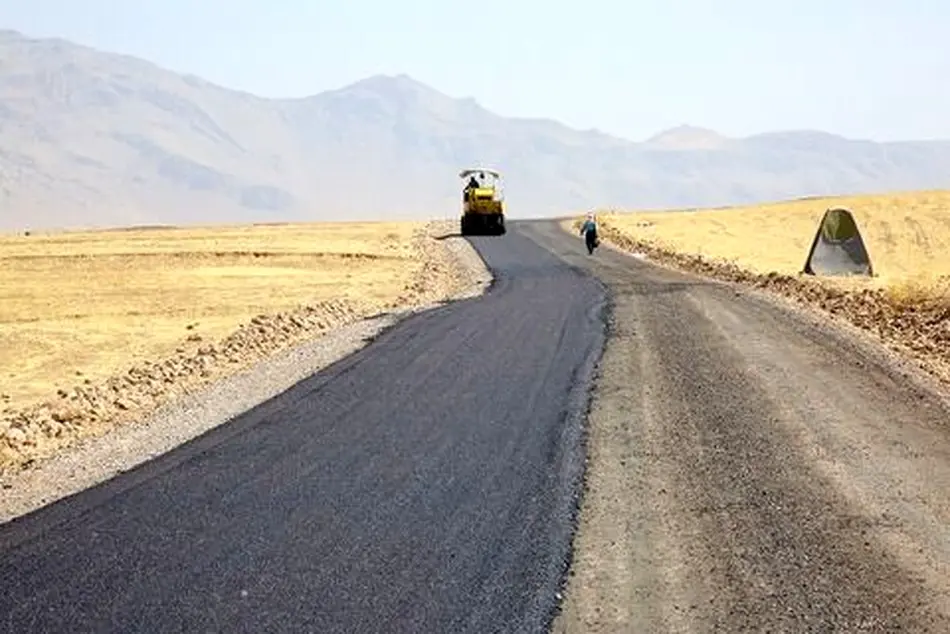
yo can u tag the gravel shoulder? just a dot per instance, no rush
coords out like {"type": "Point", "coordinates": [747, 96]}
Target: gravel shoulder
{"type": "Point", "coordinates": [753, 468]}
{"type": "Point", "coordinates": [455, 272]}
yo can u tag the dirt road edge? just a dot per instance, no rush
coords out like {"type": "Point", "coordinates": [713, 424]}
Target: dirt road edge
{"type": "Point", "coordinates": [593, 600]}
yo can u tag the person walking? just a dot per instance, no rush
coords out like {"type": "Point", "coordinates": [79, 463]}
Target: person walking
{"type": "Point", "coordinates": [589, 231]}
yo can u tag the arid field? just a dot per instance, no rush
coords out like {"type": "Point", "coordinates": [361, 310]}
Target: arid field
{"type": "Point", "coordinates": [907, 234]}
{"type": "Point", "coordinates": [79, 307]}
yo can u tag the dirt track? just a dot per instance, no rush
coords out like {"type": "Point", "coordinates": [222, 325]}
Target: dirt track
{"type": "Point", "coordinates": [750, 471]}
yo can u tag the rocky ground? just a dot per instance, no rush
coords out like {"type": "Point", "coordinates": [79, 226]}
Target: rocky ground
{"type": "Point", "coordinates": [51, 449]}
{"type": "Point", "coordinates": [918, 328]}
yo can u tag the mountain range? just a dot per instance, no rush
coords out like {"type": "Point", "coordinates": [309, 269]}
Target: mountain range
{"type": "Point", "coordinates": [91, 138]}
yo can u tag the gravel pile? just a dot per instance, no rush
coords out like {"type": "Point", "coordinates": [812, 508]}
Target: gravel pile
{"type": "Point", "coordinates": [96, 431]}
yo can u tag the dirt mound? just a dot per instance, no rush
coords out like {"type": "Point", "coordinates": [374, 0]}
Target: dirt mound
{"type": "Point", "coordinates": [915, 322]}
{"type": "Point", "coordinates": [91, 409]}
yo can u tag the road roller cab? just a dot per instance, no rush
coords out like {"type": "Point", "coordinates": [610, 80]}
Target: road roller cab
{"type": "Point", "coordinates": [483, 205]}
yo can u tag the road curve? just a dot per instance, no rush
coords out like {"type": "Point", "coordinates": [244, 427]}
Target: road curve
{"type": "Point", "coordinates": [424, 484]}
{"type": "Point", "coordinates": [752, 470]}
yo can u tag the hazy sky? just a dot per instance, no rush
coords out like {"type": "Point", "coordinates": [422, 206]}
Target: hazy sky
{"type": "Point", "coordinates": [864, 68]}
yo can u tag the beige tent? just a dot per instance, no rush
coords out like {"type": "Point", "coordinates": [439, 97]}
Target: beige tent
{"type": "Point", "coordinates": [838, 248]}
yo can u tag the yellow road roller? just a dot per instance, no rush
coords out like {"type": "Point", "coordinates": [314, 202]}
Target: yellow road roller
{"type": "Point", "coordinates": [483, 203]}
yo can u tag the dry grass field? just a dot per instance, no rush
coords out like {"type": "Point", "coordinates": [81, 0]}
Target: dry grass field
{"type": "Point", "coordinates": [907, 234]}
{"type": "Point", "coordinates": [79, 307]}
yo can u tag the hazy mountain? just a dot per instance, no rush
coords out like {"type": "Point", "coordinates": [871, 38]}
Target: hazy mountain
{"type": "Point", "coordinates": [687, 137]}
{"type": "Point", "coordinates": [93, 138]}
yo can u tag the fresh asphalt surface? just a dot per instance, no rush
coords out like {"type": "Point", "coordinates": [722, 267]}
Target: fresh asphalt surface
{"type": "Point", "coordinates": [425, 484]}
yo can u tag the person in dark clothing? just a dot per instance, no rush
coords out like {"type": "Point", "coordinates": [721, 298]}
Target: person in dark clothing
{"type": "Point", "coordinates": [589, 231]}
{"type": "Point", "coordinates": [471, 185]}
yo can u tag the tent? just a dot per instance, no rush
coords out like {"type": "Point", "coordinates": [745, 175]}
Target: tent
{"type": "Point", "coordinates": [838, 248]}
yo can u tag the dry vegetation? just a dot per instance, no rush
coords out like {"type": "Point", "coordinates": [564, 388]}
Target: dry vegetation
{"type": "Point", "coordinates": [906, 234]}
{"type": "Point", "coordinates": [906, 304]}
{"type": "Point", "coordinates": [97, 326]}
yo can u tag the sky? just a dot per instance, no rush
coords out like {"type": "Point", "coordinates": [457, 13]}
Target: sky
{"type": "Point", "coordinates": [869, 69]}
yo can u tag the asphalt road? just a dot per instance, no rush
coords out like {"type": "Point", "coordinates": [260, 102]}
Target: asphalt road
{"type": "Point", "coordinates": [749, 471]}
{"type": "Point", "coordinates": [425, 484]}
